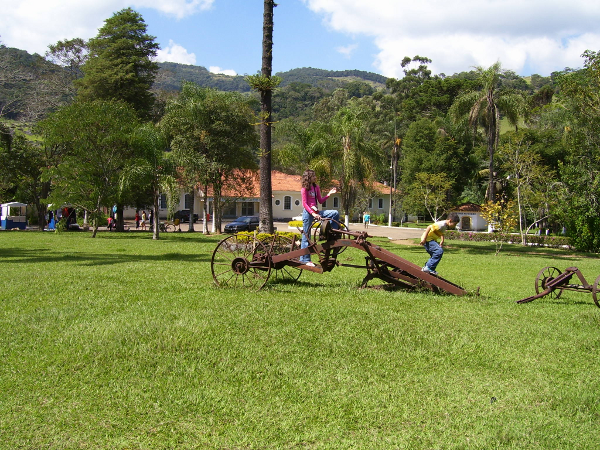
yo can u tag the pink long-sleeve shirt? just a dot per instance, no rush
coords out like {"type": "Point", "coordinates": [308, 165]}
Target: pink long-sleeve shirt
{"type": "Point", "coordinates": [310, 197]}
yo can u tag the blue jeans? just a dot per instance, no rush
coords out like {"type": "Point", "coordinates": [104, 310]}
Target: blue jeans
{"type": "Point", "coordinates": [436, 252]}
{"type": "Point", "coordinates": [307, 221]}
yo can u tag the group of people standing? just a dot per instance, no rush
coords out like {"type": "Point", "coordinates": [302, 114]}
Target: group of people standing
{"type": "Point", "coordinates": [141, 220]}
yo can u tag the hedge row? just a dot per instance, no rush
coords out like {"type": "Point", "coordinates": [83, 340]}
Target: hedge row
{"type": "Point", "coordinates": [530, 239]}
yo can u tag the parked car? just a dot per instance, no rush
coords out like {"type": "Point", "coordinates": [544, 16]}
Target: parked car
{"type": "Point", "coordinates": [184, 216]}
{"type": "Point", "coordinates": [243, 223]}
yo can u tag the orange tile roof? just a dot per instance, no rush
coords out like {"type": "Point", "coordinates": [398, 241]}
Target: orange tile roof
{"type": "Point", "coordinates": [246, 183]}
{"type": "Point", "coordinates": [467, 207]}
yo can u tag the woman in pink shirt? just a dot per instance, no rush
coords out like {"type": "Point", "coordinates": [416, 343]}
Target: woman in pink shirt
{"type": "Point", "coordinates": [311, 197]}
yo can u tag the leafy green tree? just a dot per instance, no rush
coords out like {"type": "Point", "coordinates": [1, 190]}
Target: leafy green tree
{"type": "Point", "coordinates": [97, 138]}
{"type": "Point", "coordinates": [210, 134]}
{"type": "Point", "coordinates": [429, 146]}
{"type": "Point", "coordinates": [501, 216]}
{"type": "Point", "coordinates": [532, 181]}
{"type": "Point", "coordinates": [23, 166]}
{"type": "Point", "coordinates": [429, 191]}
{"type": "Point", "coordinates": [580, 173]}
{"type": "Point", "coordinates": [483, 108]}
{"type": "Point", "coordinates": [71, 55]}
{"type": "Point", "coordinates": [152, 170]}
{"type": "Point", "coordinates": [120, 65]}
{"type": "Point", "coordinates": [344, 152]}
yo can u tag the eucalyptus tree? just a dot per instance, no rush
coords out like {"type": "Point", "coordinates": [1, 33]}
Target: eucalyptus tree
{"type": "Point", "coordinates": [71, 55]}
{"type": "Point", "coordinates": [96, 137]}
{"type": "Point", "coordinates": [210, 133]}
{"type": "Point", "coordinates": [483, 107]}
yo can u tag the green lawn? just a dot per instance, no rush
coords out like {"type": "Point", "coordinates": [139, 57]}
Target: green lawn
{"type": "Point", "coordinates": [121, 342]}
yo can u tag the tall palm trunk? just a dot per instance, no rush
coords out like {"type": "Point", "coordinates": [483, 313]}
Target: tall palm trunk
{"type": "Point", "coordinates": [266, 189]}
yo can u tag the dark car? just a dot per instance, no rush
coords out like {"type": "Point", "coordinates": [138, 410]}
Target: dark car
{"type": "Point", "coordinates": [244, 223]}
{"type": "Point", "coordinates": [184, 216]}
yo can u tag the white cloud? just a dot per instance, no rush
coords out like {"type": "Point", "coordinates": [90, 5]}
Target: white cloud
{"type": "Point", "coordinates": [175, 53]}
{"type": "Point", "coordinates": [347, 50]}
{"type": "Point", "coordinates": [217, 69]}
{"type": "Point", "coordinates": [536, 35]}
{"type": "Point", "coordinates": [32, 25]}
{"type": "Point", "coordinates": [177, 8]}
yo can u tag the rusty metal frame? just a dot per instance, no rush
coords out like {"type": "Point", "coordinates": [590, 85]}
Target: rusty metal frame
{"type": "Point", "coordinates": [327, 243]}
{"type": "Point", "coordinates": [552, 282]}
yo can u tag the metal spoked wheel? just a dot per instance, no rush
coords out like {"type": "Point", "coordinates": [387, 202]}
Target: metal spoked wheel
{"type": "Point", "coordinates": [322, 232]}
{"type": "Point", "coordinates": [241, 261]}
{"type": "Point", "coordinates": [544, 276]}
{"type": "Point", "coordinates": [283, 271]}
{"type": "Point", "coordinates": [595, 294]}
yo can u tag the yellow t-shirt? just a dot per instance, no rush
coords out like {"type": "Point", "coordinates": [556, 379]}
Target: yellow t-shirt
{"type": "Point", "coordinates": [436, 231]}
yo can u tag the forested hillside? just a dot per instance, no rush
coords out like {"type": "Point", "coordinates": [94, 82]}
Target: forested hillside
{"type": "Point", "coordinates": [487, 134]}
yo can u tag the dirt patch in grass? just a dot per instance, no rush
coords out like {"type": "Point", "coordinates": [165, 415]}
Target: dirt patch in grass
{"type": "Point", "coordinates": [404, 242]}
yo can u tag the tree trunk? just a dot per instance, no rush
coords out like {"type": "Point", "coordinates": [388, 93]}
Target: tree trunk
{"type": "Point", "coordinates": [155, 218]}
{"type": "Point", "coordinates": [120, 220]}
{"type": "Point", "coordinates": [266, 190]}
{"type": "Point", "coordinates": [191, 221]}
{"type": "Point", "coordinates": [205, 211]}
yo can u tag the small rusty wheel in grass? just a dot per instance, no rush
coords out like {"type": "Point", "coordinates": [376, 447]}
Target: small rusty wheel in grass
{"type": "Point", "coordinates": [595, 294]}
{"type": "Point", "coordinates": [544, 276]}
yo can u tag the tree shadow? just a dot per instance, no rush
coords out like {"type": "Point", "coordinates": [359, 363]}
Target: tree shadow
{"type": "Point", "coordinates": [50, 256]}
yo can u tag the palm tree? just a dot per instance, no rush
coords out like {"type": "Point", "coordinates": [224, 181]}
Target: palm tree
{"type": "Point", "coordinates": [483, 108]}
{"type": "Point", "coordinates": [343, 151]}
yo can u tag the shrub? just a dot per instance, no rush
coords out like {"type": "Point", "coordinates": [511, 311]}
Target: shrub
{"type": "Point", "coordinates": [531, 239]}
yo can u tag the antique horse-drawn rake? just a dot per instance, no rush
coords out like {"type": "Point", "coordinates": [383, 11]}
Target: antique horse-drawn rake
{"type": "Point", "coordinates": [245, 261]}
{"type": "Point", "coordinates": [551, 281]}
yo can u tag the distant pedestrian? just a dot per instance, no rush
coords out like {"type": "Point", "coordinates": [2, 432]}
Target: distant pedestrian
{"type": "Point", "coordinates": [144, 218]}
{"type": "Point", "coordinates": [367, 219]}
{"type": "Point", "coordinates": [137, 220]}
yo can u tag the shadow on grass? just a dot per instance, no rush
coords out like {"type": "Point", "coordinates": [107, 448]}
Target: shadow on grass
{"type": "Point", "coordinates": [49, 256]}
{"type": "Point", "coordinates": [173, 236]}
{"type": "Point", "coordinates": [507, 250]}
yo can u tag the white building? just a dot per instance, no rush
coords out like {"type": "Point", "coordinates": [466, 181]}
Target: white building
{"type": "Point", "coordinates": [242, 198]}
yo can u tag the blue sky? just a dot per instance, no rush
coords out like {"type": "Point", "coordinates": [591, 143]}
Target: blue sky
{"type": "Point", "coordinates": [229, 36]}
{"type": "Point", "coordinates": [526, 36]}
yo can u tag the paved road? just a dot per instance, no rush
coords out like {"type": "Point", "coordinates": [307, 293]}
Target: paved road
{"type": "Point", "coordinates": [394, 233]}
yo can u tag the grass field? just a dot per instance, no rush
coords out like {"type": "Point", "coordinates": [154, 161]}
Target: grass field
{"type": "Point", "coordinates": [121, 342]}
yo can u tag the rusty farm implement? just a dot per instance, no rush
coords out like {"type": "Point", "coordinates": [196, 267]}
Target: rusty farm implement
{"type": "Point", "coordinates": [244, 261]}
{"type": "Point", "coordinates": [552, 282]}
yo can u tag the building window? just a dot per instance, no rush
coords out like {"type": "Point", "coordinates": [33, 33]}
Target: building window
{"type": "Point", "coordinates": [188, 201]}
{"type": "Point", "coordinates": [247, 208]}
{"type": "Point", "coordinates": [163, 201]}
{"type": "Point", "coordinates": [297, 203]}
{"type": "Point", "coordinates": [336, 202]}
{"type": "Point", "coordinates": [370, 203]}
{"type": "Point", "coordinates": [380, 203]}
{"type": "Point", "coordinates": [287, 202]}
{"type": "Point", "coordinates": [324, 204]}
{"type": "Point", "coordinates": [277, 202]}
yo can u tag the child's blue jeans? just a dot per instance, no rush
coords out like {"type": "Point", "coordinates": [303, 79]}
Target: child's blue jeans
{"type": "Point", "coordinates": [436, 252]}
